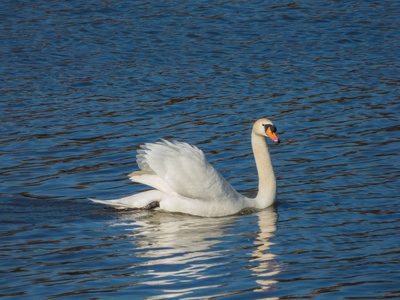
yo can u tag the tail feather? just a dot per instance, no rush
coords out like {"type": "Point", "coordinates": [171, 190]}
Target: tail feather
{"type": "Point", "coordinates": [140, 200]}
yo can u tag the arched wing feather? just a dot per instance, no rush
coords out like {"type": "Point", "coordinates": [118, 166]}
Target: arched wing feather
{"type": "Point", "coordinates": [184, 169]}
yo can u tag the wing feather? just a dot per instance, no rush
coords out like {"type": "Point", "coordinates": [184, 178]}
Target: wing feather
{"type": "Point", "coordinates": [180, 168]}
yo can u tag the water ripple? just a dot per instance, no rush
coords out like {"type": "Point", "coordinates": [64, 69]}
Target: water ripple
{"type": "Point", "coordinates": [84, 83]}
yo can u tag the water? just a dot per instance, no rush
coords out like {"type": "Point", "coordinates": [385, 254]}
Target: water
{"type": "Point", "coordinates": [84, 83]}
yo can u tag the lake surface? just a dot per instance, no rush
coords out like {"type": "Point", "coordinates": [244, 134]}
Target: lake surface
{"type": "Point", "coordinates": [84, 83]}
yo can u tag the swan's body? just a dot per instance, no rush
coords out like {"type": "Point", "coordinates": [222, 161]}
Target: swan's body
{"type": "Point", "coordinates": [185, 182]}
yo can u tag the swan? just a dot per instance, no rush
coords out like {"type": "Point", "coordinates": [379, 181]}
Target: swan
{"type": "Point", "coordinates": [185, 182]}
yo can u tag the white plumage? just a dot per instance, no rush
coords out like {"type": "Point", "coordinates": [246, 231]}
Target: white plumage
{"type": "Point", "coordinates": [185, 182]}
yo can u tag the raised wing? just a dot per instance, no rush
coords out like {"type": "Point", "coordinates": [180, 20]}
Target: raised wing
{"type": "Point", "coordinates": [181, 168]}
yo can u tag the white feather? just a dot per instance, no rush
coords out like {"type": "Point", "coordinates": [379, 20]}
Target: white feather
{"type": "Point", "coordinates": [182, 169]}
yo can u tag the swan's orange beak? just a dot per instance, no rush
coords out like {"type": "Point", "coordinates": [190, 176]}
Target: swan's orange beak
{"type": "Point", "coordinates": [272, 135]}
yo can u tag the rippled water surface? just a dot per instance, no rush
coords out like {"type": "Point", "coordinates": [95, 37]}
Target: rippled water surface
{"type": "Point", "coordinates": [84, 83]}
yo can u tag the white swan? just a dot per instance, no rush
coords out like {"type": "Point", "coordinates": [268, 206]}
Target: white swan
{"type": "Point", "coordinates": [185, 182]}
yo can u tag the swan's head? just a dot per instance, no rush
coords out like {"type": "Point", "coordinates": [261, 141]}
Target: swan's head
{"type": "Point", "coordinates": [264, 127]}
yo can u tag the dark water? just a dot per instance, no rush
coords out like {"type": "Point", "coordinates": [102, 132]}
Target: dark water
{"type": "Point", "coordinates": [83, 83]}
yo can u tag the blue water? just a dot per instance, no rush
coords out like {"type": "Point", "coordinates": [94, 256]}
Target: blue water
{"type": "Point", "coordinates": [84, 83]}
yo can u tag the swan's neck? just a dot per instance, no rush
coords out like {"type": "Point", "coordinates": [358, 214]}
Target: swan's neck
{"type": "Point", "coordinates": [267, 182]}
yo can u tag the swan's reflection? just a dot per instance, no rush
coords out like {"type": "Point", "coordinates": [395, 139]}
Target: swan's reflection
{"type": "Point", "coordinates": [266, 267]}
{"type": "Point", "coordinates": [180, 246]}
